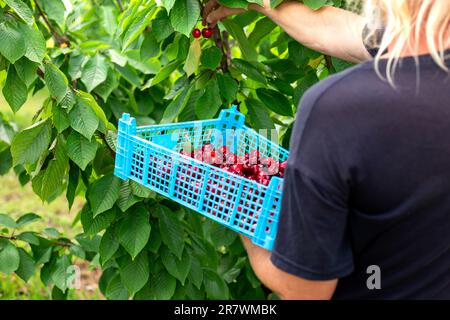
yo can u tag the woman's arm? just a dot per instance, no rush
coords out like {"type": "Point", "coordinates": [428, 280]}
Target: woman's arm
{"type": "Point", "coordinates": [331, 31]}
{"type": "Point", "coordinates": [285, 285]}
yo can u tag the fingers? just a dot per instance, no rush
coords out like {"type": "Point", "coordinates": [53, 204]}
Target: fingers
{"type": "Point", "coordinates": [221, 13]}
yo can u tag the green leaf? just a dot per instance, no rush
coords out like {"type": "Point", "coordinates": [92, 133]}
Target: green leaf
{"type": "Point", "coordinates": [89, 243]}
{"type": "Point", "coordinates": [72, 185]}
{"type": "Point", "coordinates": [196, 273]}
{"type": "Point", "coordinates": [248, 51]}
{"type": "Point", "coordinates": [228, 87]}
{"type": "Point", "coordinates": [77, 251]}
{"type": "Point", "coordinates": [179, 268]}
{"type": "Point", "coordinates": [58, 294]}
{"type": "Point", "coordinates": [275, 101]}
{"type": "Point", "coordinates": [176, 106]}
{"type": "Point", "coordinates": [141, 191]}
{"type": "Point", "coordinates": [154, 243]}
{"type": "Point", "coordinates": [105, 89]}
{"type": "Point", "coordinates": [15, 90]}
{"type": "Point", "coordinates": [27, 219]}
{"type": "Point", "coordinates": [340, 65]}
{"type": "Point", "coordinates": [83, 119]}
{"type": "Point", "coordinates": [211, 58]}
{"type": "Point", "coordinates": [76, 64]}
{"type": "Point", "coordinates": [28, 145]}
{"type": "Point", "coordinates": [9, 258]}
{"type": "Point", "coordinates": [5, 161]}
{"type": "Point", "coordinates": [80, 150]}
{"type": "Point", "coordinates": [42, 251]}
{"type": "Point", "coordinates": [134, 230]}
{"type": "Point", "coordinates": [137, 26]}
{"type": "Point", "coordinates": [126, 196]}
{"type": "Point", "coordinates": [22, 10]}
{"type": "Point", "coordinates": [91, 225]}
{"type": "Point", "coordinates": [168, 4]}
{"type": "Point", "coordinates": [116, 290]}
{"type": "Point", "coordinates": [94, 72]}
{"type": "Point", "coordinates": [26, 70]}
{"type": "Point", "coordinates": [52, 232]}
{"type": "Point", "coordinates": [215, 286]}
{"type": "Point", "coordinates": [109, 20]}
{"type": "Point", "coordinates": [29, 237]}
{"type": "Point", "coordinates": [56, 81]}
{"type": "Point", "coordinates": [88, 99]}
{"type": "Point", "coordinates": [60, 118]}
{"type": "Point", "coordinates": [150, 46]}
{"type": "Point", "coordinates": [7, 221]}
{"type": "Point", "coordinates": [234, 3]}
{"type": "Point", "coordinates": [172, 232]}
{"type": "Point", "coordinates": [208, 104]}
{"type": "Point", "coordinates": [55, 10]}
{"type": "Point", "coordinates": [165, 72]}
{"type": "Point", "coordinates": [161, 26]}
{"type": "Point", "coordinates": [262, 28]}
{"type": "Point", "coordinates": [259, 117]}
{"type": "Point", "coordinates": [12, 42]}
{"type": "Point", "coordinates": [249, 70]}
{"type": "Point", "coordinates": [193, 57]}
{"type": "Point", "coordinates": [163, 285]}
{"type": "Point", "coordinates": [130, 75]}
{"type": "Point", "coordinates": [184, 15]}
{"type": "Point", "coordinates": [103, 193]}
{"type": "Point", "coordinates": [26, 266]}
{"type": "Point", "coordinates": [109, 244]}
{"type": "Point", "coordinates": [68, 101]}
{"type": "Point", "coordinates": [60, 272]}
{"type": "Point", "coordinates": [315, 4]}
{"type": "Point", "coordinates": [135, 274]}
{"type": "Point", "coordinates": [51, 179]}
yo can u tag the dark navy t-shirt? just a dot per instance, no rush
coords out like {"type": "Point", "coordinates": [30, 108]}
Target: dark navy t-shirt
{"type": "Point", "coordinates": [367, 185]}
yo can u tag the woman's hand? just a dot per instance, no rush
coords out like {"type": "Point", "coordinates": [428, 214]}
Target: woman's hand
{"type": "Point", "coordinates": [214, 11]}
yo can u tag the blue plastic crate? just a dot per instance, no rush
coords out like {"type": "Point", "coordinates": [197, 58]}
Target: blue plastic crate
{"type": "Point", "coordinates": [150, 155]}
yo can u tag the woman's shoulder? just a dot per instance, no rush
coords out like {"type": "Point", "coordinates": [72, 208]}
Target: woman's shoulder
{"type": "Point", "coordinates": [341, 90]}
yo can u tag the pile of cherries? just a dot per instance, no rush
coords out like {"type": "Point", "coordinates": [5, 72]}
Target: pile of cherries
{"type": "Point", "coordinates": [251, 166]}
{"type": "Point", "coordinates": [205, 32]}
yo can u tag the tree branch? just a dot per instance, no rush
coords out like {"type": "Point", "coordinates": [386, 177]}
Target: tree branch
{"type": "Point", "coordinates": [329, 62]}
{"type": "Point", "coordinates": [58, 38]}
{"type": "Point", "coordinates": [222, 43]}
{"type": "Point", "coordinates": [120, 4]}
{"type": "Point", "coordinates": [54, 243]}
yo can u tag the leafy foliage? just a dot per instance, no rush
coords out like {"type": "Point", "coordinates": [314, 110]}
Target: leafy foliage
{"type": "Point", "coordinates": [99, 59]}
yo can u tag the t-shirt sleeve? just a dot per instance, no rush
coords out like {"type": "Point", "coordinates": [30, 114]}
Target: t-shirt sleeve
{"type": "Point", "coordinates": [313, 239]}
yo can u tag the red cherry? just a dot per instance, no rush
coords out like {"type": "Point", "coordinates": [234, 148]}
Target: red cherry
{"type": "Point", "coordinates": [198, 155]}
{"type": "Point", "coordinates": [283, 166]}
{"type": "Point", "coordinates": [223, 149]}
{"type": "Point", "coordinates": [240, 160]}
{"type": "Point", "coordinates": [207, 32]}
{"type": "Point", "coordinates": [230, 158]}
{"type": "Point", "coordinates": [196, 33]}
{"type": "Point", "coordinates": [253, 157]}
{"type": "Point", "coordinates": [238, 168]}
{"type": "Point", "coordinates": [185, 153]}
{"type": "Point", "coordinates": [208, 147]}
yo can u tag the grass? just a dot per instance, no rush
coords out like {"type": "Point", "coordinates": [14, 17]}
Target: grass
{"type": "Point", "coordinates": [16, 200]}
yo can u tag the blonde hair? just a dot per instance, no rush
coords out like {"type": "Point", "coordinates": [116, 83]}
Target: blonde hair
{"type": "Point", "coordinates": [413, 26]}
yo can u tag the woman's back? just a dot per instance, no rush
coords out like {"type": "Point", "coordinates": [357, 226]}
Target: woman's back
{"type": "Point", "coordinates": [370, 183]}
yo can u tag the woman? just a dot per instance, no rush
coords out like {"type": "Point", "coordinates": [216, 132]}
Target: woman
{"type": "Point", "coordinates": [366, 206]}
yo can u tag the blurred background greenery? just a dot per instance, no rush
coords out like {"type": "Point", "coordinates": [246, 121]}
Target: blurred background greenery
{"type": "Point", "coordinates": [16, 200]}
